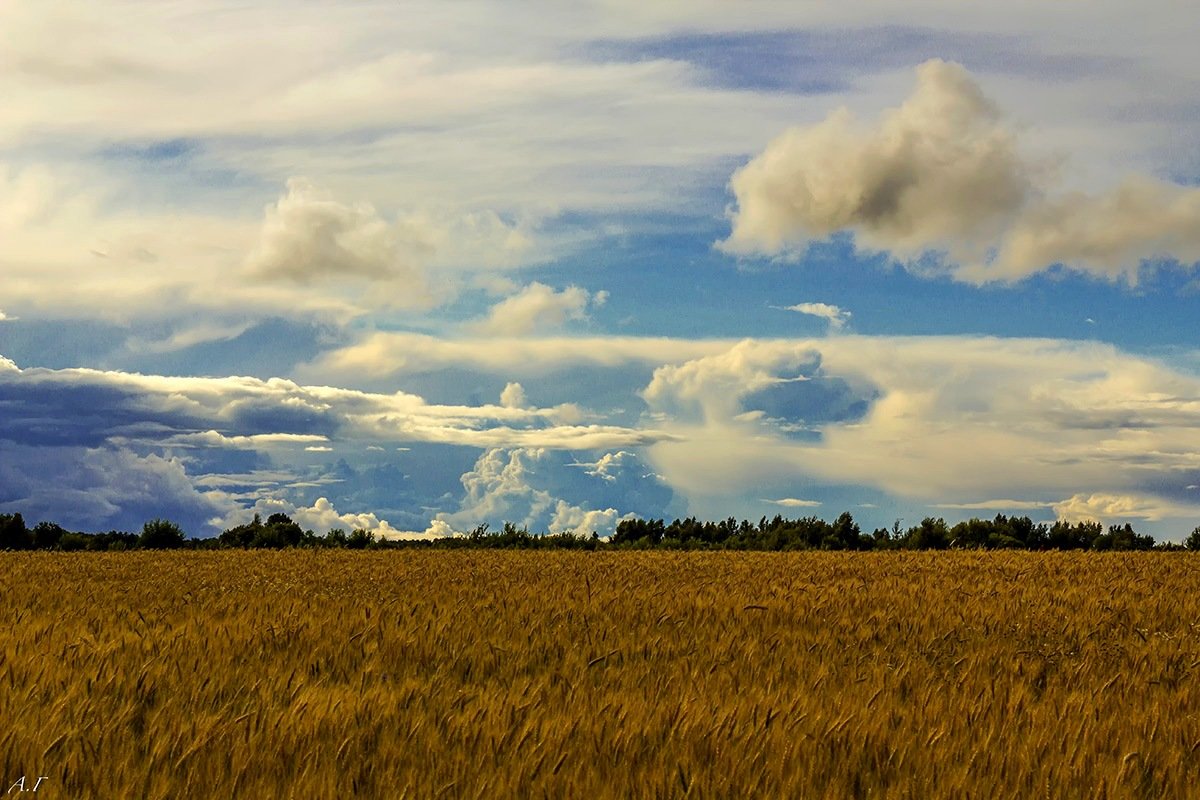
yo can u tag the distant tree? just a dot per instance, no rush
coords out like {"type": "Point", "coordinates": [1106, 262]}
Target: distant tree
{"type": "Point", "coordinates": [241, 535]}
{"type": "Point", "coordinates": [1192, 542]}
{"type": "Point", "coordinates": [74, 541]}
{"type": "Point", "coordinates": [113, 540]}
{"type": "Point", "coordinates": [931, 534]}
{"type": "Point", "coordinates": [279, 532]}
{"type": "Point", "coordinates": [639, 531]}
{"type": "Point", "coordinates": [161, 534]}
{"type": "Point", "coordinates": [13, 533]}
{"type": "Point", "coordinates": [1123, 537]}
{"type": "Point", "coordinates": [360, 539]}
{"type": "Point", "coordinates": [845, 533]}
{"type": "Point", "coordinates": [47, 535]}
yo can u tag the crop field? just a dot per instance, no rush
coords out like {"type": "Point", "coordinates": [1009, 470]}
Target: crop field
{"type": "Point", "coordinates": [323, 674]}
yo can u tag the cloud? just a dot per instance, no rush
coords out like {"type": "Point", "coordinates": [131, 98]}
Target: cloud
{"type": "Point", "coordinates": [513, 396]}
{"type": "Point", "coordinates": [532, 487]}
{"type": "Point", "coordinates": [538, 306]}
{"type": "Point", "coordinates": [27, 197]}
{"type": "Point", "coordinates": [322, 517]}
{"type": "Point", "coordinates": [87, 253]}
{"type": "Point", "coordinates": [836, 317]}
{"type": "Point", "coordinates": [578, 521]}
{"type": "Point", "coordinates": [256, 440]}
{"type": "Point", "coordinates": [1108, 508]}
{"type": "Point", "coordinates": [939, 169]}
{"type": "Point", "coordinates": [6, 318]}
{"type": "Point", "coordinates": [1107, 235]}
{"type": "Point", "coordinates": [943, 419]}
{"type": "Point", "coordinates": [791, 502]}
{"type": "Point", "coordinates": [93, 408]}
{"type": "Point", "coordinates": [308, 236]}
{"type": "Point", "coordinates": [711, 388]}
{"type": "Point", "coordinates": [190, 336]}
{"type": "Point", "coordinates": [941, 179]}
{"type": "Point", "coordinates": [98, 489]}
{"type": "Point", "coordinates": [385, 354]}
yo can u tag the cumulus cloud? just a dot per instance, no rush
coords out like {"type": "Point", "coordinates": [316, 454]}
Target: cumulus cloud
{"type": "Point", "coordinates": [836, 317]}
{"type": "Point", "coordinates": [1108, 234]}
{"type": "Point", "coordinates": [943, 419]}
{"type": "Point", "coordinates": [322, 516]}
{"type": "Point", "coordinates": [573, 519]}
{"type": "Point", "coordinates": [939, 169]}
{"type": "Point", "coordinates": [538, 306]}
{"type": "Point", "coordinates": [942, 176]}
{"type": "Point", "coordinates": [1108, 508]}
{"type": "Point", "coordinates": [98, 489]}
{"type": "Point", "coordinates": [532, 487]}
{"type": "Point", "coordinates": [711, 388]}
{"type": "Point", "coordinates": [308, 236]}
{"type": "Point", "coordinates": [513, 396]}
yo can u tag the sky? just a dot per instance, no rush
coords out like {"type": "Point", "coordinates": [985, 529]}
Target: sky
{"type": "Point", "coordinates": [413, 267]}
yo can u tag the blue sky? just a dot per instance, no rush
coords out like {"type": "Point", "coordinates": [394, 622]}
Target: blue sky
{"type": "Point", "coordinates": [414, 267]}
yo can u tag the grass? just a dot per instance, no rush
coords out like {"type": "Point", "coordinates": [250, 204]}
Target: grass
{"type": "Point", "coordinates": [552, 674]}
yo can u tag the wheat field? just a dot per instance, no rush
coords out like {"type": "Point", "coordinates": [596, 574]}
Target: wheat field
{"type": "Point", "coordinates": [323, 674]}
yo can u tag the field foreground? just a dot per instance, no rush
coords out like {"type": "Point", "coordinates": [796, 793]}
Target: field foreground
{"type": "Point", "coordinates": [507, 674]}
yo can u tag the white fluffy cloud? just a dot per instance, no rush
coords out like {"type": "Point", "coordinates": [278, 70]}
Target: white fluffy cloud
{"type": "Point", "coordinates": [513, 396]}
{"type": "Point", "coordinates": [321, 517]}
{"type": "Point", "coordinates": [74, 248]}
{"type": "Point", "coordinates": [534, 488]}
{"type": "Point", "coordinates": [309, 236]}
{"type": "Point", "coordinates": [1111, 508]}
{"type": "Point", "coordinates": [538, 306]}
{"type": "Point", "coordinates": [573, 519]}
{"type": "Point", "coordinates": [836, 317]}
{"type": "Point", "coordinates": [946, 420]}
{"type": "Point", "coordinates": [942, 175]}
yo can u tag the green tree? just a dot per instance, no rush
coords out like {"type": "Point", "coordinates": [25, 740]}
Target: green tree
{"type": "Point", "coordinates": [47, 535]}
{"type": "Point", "coordinates": [161, 534]}
{"type": "Point", "coordinates": [13, 533]}
{"type": "Point", "coordinates": [1192, 542]}
{"type": "Point", "coordinates": [359, 539]}
{"type": "Point", "coordinates": [931, 534]}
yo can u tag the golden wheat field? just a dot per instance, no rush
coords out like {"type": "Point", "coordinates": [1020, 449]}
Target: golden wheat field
{"type": "Point", "coordinates": [325, 674]}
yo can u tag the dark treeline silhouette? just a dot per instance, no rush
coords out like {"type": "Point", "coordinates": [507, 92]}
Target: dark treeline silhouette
{"type": "Point", "coordinates": [777, 533]}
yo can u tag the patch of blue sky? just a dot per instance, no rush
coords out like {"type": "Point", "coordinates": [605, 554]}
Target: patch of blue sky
{"type": "Point", "coordinates": [61, 343]}
{"type": "Point", "coordinates": [678, 284]}
{"type": "Point", "coordinates": [154, 152]}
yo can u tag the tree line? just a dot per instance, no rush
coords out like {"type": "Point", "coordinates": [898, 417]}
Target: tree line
{"type": "Point", "coordinates": [778, 533]}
